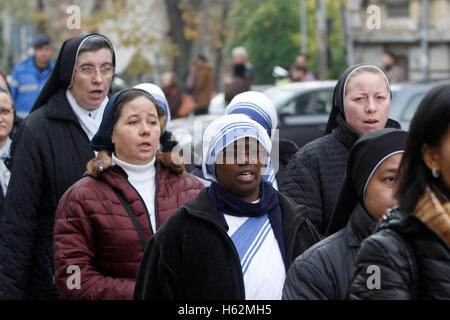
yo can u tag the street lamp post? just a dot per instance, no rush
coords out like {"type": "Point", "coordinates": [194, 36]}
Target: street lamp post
{"type": "Point", "coordinates": [322, 38]}
{"type": "Point", "coordinates": [424, 40]}
{"type": "Point", "coordinates": [303, 28]}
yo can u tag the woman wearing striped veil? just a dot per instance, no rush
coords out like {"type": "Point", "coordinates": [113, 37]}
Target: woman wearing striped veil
{"type": "Point", "coordinates": [237, 238]}
{"type": "Point", "coordinates": [260, 108]}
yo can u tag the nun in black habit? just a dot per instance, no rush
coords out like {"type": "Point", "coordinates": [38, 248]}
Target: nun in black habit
{"type": "Point", "coordinates": [314, 175]}
{"type": "Point", "coordinates": [325, 271]}
{"type": "Point", "coordinates": [52, 149]}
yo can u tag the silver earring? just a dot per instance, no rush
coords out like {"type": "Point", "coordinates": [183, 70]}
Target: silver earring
{"type": "Point", "coordinates": [435, 173]}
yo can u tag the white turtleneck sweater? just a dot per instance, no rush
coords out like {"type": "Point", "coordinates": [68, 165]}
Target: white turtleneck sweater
{"type": "Point", "coordinates": [143, 179]}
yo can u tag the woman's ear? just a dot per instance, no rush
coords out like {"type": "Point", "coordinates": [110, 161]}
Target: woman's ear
{"type": "Point", "coordinates": [430, 156]}
{"type": "Point", "coordinates": [112, 137]}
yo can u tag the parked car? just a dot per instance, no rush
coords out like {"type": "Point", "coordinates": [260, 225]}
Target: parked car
{"type": "Point", "coordinates": [217, 104]}
{"type": "Point", "coordinates": [303, 110]}
{"type": "Point", "coordinates": [407, 96]}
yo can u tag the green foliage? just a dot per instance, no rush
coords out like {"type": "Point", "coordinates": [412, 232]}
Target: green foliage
{"type": "Point", "coordinates": [270, 31]}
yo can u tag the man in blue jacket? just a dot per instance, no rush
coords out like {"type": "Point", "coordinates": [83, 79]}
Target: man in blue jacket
{"type": "Point", "coordinates": [30, 75]}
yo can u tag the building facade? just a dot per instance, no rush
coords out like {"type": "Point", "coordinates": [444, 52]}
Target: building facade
{"type": "Point", "coordinates": [397, 26]}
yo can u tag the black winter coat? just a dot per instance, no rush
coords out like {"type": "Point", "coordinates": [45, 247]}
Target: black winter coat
{"type": "Point", "coordinates": [51, 153]}
{"type": "Point", "coordinates": [192, 257]}
{"type": "Point", "coordinates": [414, 261]}
{"type": "Point", "coordinates": [315, 174]}
{"type": "Point", "coordinates": [287, 149]}
{"type": "Point", "coordinates": [325, 271]}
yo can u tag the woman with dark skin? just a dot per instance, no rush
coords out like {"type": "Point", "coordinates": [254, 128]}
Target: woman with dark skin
{"type": "Point", "coordinates": [234, 240]}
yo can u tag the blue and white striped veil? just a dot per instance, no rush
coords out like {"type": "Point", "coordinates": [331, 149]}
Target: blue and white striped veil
{"type": "Point", "coordinates": [260, 108]}
{"type": "Point", "coordinates": [159, 96]}
{"type": "Point", "coordinates": [225, 130]}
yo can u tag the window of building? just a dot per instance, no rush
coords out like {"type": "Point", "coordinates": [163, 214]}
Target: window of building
{"type": "Point", "coordinates": [397, 8]}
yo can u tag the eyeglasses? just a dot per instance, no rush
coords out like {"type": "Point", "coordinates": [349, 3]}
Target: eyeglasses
{"type": "Point", "coordinates": [89, 71]}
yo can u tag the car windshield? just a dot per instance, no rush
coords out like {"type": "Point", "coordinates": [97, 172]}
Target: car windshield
{"type": "Point", "coordinates": [279, 95]}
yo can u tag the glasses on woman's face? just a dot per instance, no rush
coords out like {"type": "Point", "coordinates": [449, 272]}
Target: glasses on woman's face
{"type": "Point", "coordinates": [89, 71]}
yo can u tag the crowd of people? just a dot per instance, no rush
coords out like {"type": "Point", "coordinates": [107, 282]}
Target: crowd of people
{"type": "Point", "coordinates": [96, 202]}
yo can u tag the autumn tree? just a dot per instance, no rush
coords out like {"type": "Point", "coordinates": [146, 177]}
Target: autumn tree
{"type": "Point", "coordinates": [270, 31]}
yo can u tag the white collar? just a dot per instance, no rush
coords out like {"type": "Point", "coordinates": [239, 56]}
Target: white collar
{"type": "Point", "coordinates": [4, 150]}
{"type": "Point", "coordinates": [89, 120]}
{"type": "Point", "coordinates": [134, 171]}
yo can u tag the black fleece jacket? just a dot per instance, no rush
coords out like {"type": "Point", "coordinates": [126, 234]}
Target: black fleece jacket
{"type": "Point", "coordinates": [192, 257]}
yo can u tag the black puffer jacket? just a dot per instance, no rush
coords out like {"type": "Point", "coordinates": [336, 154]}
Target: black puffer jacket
{"type": "Point", "coordinates": [414, 261]}
{"type": "Point", "coordinates": [315, 173]}
{"type": "Point", "coordinates": [325, 271]}
{"type": "Point", "coordinates": [51, 154]}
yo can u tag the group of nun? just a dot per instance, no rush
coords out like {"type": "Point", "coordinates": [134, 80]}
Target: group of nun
{"type": "Point", "coordinates": [138, 225]}
{"type": "Point", "coordinates": [238, 237]}
{"type": "Point", "coordinates": [245, 250]}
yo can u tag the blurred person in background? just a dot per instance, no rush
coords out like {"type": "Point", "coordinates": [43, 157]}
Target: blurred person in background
{"type": "Point", "coordinates": [325, 271]}
{"type": "Point", "coordinates": [30, 75]}
{"type": "Point", "coordinates": [191, 77]}
{"type": "Point", "coordinates": [411, 245]}
{"type": "Point", "coordinates": [7, 115]}
{"type": "Point", "coordinates": [314, 175]}
{"type": "Point", "coordinates": [51, 150]}
{"type": "Point", "coordinates": [300, 69]}
{"type": "Point", "coordinates": [203, 86]}
{"type": "Point", "coordinates": [239, 78]}
{"type": "Point", "coordinates": [17, 120]}
{"type": "Point", "coordinates": [240, 62]}
{"type": "Point", "coordinates": [297, 73]}
{"type": "Point", "coordinates": [3, 81]}
{"type": "Point", "coordinates": [390, 67]}
{"type": "Point", "coordinates": [240, 82]}
{"type": "Point", "coordinates": [173, 93]}
{"type": "Point", "coordinates": [130, 189]}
